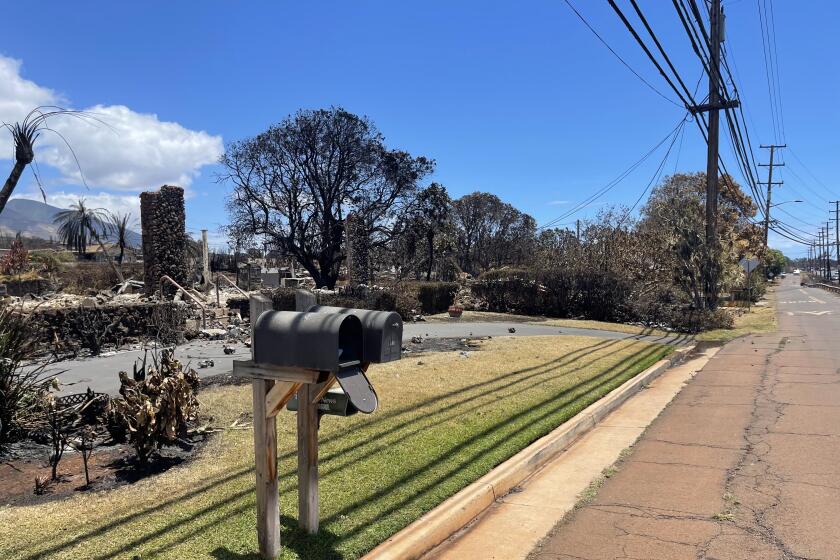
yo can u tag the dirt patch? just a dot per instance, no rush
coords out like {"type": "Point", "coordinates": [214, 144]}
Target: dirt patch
{"type": "Point", "coordinates": [427, 345]}
{"type": "Point", "coordinates": [110, 466]}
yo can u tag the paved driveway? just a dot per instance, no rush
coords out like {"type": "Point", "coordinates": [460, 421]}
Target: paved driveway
{"type": "Point", "coordinates": [100, 373]}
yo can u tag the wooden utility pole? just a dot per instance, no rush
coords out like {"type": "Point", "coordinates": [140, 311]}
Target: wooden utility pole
{"type": "Point", "coordinates": [577, 228]}
{"type": "Point", "coordinates": [837, 230]}
{"type": "Point", "coordinates": [715, 39]}
{"type": "Point", "coordinates": [820, 255]}
{"type": "Point", "coordinates": [827, 252]}
{"type": "Point", "coordinates": [770, 183]}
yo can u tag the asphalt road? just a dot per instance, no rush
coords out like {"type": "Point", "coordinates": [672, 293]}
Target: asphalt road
{"type": "Point", "coordinates": [744, 462]}
{"type": "Point", "coordinates": [100, 373]}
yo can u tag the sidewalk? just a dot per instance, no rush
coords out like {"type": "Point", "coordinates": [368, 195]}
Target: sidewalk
{"type": "Point", "coordinates": [744, 464]}
{"type": "Point", "coordinates": [514, 524]}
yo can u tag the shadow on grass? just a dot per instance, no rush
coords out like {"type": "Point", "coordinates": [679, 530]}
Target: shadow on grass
{"type": "Point", "coordinates": [488, 436]}
{"type": "Point", "coordinates": [325, 542]}
{"type": "Point", "coordinates": [321, 546]}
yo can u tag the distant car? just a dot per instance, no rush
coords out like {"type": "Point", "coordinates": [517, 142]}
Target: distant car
{"type": "Point", "coordinates": [783, 275]}
{"type": "Point", "coordinates": [797, 271]}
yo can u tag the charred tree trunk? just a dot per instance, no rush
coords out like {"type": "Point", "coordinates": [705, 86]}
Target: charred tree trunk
{"type": "Point", "coordinates": [11, 183]}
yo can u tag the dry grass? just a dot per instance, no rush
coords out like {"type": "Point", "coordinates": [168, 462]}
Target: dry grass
{"type": "Point", "coordinates": [604, 326]}
{"type": "Point", "coordinates": [489, 316]}
{"type": "Point", "coordinates": [758, 319]}
{"type": "Point", "coordinates": [445, 421]}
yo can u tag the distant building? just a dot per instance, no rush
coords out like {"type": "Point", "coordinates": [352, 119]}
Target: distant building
{"type": "Point", "coordinates": [96, 254]}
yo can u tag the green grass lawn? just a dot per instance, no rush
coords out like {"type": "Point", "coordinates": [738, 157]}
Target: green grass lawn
{"type": "Point", "coordinates": [445, 421]}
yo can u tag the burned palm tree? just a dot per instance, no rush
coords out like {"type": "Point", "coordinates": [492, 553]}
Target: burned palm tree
{"type": "Point", "coordinates": [24, 135]}
{"type": "Point", "coordinates": [80, 224]}
{"type": "Point", "coordinates": [118, 225]}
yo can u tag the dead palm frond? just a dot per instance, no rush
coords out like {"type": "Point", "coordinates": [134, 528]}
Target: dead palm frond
{"type": "Point", "coordinates": [24, 135]}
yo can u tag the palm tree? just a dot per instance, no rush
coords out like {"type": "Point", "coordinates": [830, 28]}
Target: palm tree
{"type": "Point", "coordinates": [24, 135]}
{"type": "Point", "coordinates": [79, 224]}
{"type": "Point", "coordinates": [119, 224]}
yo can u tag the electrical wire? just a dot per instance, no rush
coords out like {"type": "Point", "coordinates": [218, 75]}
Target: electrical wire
{"type": "Point", "coordinates": [613, 183]}
{"type": "Point", "coordinates": [618, 56]}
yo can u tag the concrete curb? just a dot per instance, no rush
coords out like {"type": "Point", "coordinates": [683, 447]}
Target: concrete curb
{"type": "Point", "coordinates": [828, 288]}
{"type": "Point", "coordinates": [439, 524]}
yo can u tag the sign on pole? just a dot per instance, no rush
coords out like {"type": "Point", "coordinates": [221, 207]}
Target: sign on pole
{"type": "Point", "coordinates": [749, 264]}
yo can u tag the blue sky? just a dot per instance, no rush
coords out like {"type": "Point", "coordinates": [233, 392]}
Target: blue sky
{"type": "Point", "coordinates": [515, 98]}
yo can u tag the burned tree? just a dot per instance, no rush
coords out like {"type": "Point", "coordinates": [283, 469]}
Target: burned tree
{"type": "Point", "coordinates": [295, 183]}
{"type": "Point", "coordinates": [24, 135]}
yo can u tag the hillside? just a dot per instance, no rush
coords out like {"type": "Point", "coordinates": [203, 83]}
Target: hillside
{"type": "Point", "coordinates": [33, 218]}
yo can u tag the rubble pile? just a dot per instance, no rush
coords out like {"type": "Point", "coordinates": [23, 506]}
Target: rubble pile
{"type": "Point", "coordinates": [465, 299]}
{"type": "Point", "coordinates": [93, 325]}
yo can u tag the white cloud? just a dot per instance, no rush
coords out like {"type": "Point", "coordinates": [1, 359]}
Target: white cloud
{"type": "Point", "coordinates": [558, 202]}
{"type": "Point", "coordinates": [17, 97]}
{"type": "Point", "coordinates": [127, 151]}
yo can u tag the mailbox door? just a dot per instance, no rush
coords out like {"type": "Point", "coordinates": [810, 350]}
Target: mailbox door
{"type": "Point", "coordinates": [358, 389]}
{"type": "Point", "coordinates": [382, 332]}
{"type": "Point", "coordinates": [307, 340]}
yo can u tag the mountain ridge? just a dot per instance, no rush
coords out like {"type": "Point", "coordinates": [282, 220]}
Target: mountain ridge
{"type": "Point", "coordinates": [33, 218]}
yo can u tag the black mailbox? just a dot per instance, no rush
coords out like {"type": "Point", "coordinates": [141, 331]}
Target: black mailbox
{"type": "Point", "coordinates": [382, 332]}
{"type": "Point", "coordinates": [330, 342]}
{"type": "Point", "coordinates": [308, 340]}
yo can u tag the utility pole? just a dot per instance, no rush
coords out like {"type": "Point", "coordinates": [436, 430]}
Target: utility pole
{"type": "Point", "coordinates": [770, 183]}
{"type": "Point", "coordinates": [820, 256]}
{"type": "Point", "coordinates": [827, 253]}
{"type": "Point", "coordinates": [710, 277]}
{"type": "Point", "coordinates": [577, 229]}
{"type": "Point", "coordinates": [837, 231]}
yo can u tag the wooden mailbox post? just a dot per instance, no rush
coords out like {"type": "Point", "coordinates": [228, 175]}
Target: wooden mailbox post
{"type": "Point", "coordinates": [272, 390]}
{"type": "Point", "coordinates": [304, 354]}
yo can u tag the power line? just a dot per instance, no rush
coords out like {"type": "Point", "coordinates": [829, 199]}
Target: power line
{"type": "Point", "coordinates": [649, 54]}
{"type": "Point", "coordinates": [653, 36]}
{"type": "Point", "coordinates": [618, 56]}
{"type": "Point", "coordinates": [813, 176]}
{"type": "Point", "coordinates": [776, 59]}
{"type": "Point", "coordinates": [610, 185]}
{"type": "Point", "coordinates": [656, 174]}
